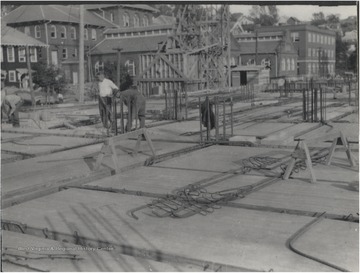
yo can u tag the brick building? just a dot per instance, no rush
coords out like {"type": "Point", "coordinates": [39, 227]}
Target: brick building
{"type": "Point", "coordinates": [315, 48]}
{"type": "Point", "coordinates": [271, 50]}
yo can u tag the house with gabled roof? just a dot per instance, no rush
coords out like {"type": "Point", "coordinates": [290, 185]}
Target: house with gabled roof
{"type": "Point", "coordinates": [13, 55]}
{"type": "Point", "coordinates": [58, 27]}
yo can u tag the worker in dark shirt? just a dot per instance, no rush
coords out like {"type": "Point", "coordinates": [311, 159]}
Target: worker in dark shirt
{"type": "Point", "coordinates": [136, 104]}
{"type": "Point", "coordinates": [10, 107]}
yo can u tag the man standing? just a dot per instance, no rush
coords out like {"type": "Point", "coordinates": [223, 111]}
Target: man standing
{"type": "Point", "coordinates": [10, 107]}
{"type": "Point", "coordinates": [106, 89]}
{"type": "Point", "coordinates": [136, 104]}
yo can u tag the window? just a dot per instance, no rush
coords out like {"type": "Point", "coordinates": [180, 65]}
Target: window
{"type": "Point", "coordinates": [130, 65]}
{"type": "Point", "coordinates": [309, 68]}
{"type": "Point", "coordinates": [309, 52]}
{"type": "Point", "coordinates": [318, 38]}
{"type": "Point", "coordinates": [12, 76]}
{"type": "Point", "coordinates": [86, 34]}
{"type": "Point", "coordinates": [136, 20]}
{"type": "Point", "coordinates": [75, 52]}
{"type": "Point", "coordinates": [266, 62]}
{"type": "Point", "coordinates": [126, 19]}
{"type": "Point", "coordinates": [93, 34]}
{"type": "Point", "coordinates": [309, 37]}
{"type": "Point", "coordinates": [295, 36]}
{"type": "Point", "coordinates": [63, 32]}
{"type": "Point", "coordinates": [145, 20]}
{"type": "Point", "coordinates": [288, 64]}
{"type": "Point", "coordinates": [10, 54]}
{"type": "Point", "coordinates": [313, 38]}
{"type": "Point", "coordinates": [325, 40]}
{"type": "Point", "coordinates": [39, 53]}
{"type": "Point", "coordinates": [313, 68]}
{"type": "Point", "coordinates": [321, 39]}
{"type": "Point", "coordinates": [22, 55]}
{"type": "Point", "coordinates": [73, 33]}
{"type": "Point", "coordinates": [283, 65]}
{"type": "Point", "coordinates": [33, 55]}
{"type": "Point", "coordinates": [52, 31]}
{"type": "Point", "coordinates": [37, 32]}
{"type": "Point", "coordinates": [251, 62]}
{"type": "Point", "coordinates": [27, 30]}
{"type": "Point", "coordinates": [292, 64]}
{"type": "Point", "coordinates": [64, 53]}
{"type": "Point", "coordinates": [99, 66]}
{"type": "Point", "coordinates": [111, 17]}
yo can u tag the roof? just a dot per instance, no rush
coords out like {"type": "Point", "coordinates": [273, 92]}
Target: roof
{"type": "Point", "coordinates": [298, 27]}
{"type": "Point", "coordinates": [13, 37]}
{"type": "Point", "coordinates": [54, 13]}
{"type": "Point", "coordinates": [263, 47]}
{"type": "Point", "coordinates": [132, 29]}
{"type": "Point", "coordinates": [131, 44]}
{"type": "Point", "coordinates": [164, 20]}
{"type": "Point", "coordinates": [133, 6]}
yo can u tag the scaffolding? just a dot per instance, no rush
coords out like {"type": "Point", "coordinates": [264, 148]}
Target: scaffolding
{"type": "Point", "coordinates": [195, 56]}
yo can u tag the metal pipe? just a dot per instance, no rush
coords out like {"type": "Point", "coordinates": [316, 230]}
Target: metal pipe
{"type": "Point", "coordinates": [208, 118]}
{"type": "Point", "coordinates": [315, 105]}
{"type": "Point", "coordinates": [231, 117]}
{"type": "Point", "coordinates": [217, 118]}
{"type": "Point", "coordinates": [224, 120]}
{"type": "Point", "coordinates": [304, 104]}
{"type": "Point", "coordinates": [200, 118]}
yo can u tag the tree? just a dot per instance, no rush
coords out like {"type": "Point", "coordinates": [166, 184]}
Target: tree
{"type": "Point", "coordinates": [318, 19]}
{"type": "Point", "coordinates": [266, 15]}
{"type": "Point", "coordinates": [333, 19]}
{"type": "Point", "coordinates": [49, 77]}
{"type": "Point", "coordinates": [353, 60]}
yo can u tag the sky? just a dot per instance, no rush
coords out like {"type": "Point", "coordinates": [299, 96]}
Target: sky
{"type": "Point", "coordinates": [303, 12]}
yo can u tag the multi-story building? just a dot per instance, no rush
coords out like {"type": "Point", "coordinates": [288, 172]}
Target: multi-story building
{"type": "Point", "coordinates": [274, 51]}
{"type": "Point", "coordinates": [58, 27]}
{"type": "Point", "coordinates": [14, 65]}
{"type": "Point", "coordinates": [315, 48]}
{"type": "Point", "coordinates": [125, 15]}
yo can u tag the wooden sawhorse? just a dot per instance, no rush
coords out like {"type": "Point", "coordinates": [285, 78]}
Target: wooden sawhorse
{"type": "Point", "coordinates": [340, 140]}
{"type": "Point", "coordinates": [301, 152]}
{"type": "Point", "coordinates": [108, 147]}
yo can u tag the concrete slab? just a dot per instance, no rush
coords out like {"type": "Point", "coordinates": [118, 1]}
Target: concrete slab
{"type": "Point", "coordinates": [87, 259]}
{"type": "Point", "coordinates": [221, 158]}
{"type": "Point", "coordinates": [351, 131]}
{"type": "Point", "coordinates": [261, 129]}
{"type": "Point", "coordinates": [294, 194]}
{"type": "Point", "coordinates": [287, 135]}
{"type": "Point", "coordinates": [249, 239]}
{"type": "Point", "coordinates": [45, 144]}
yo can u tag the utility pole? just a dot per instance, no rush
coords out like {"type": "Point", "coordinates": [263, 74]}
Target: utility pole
{"type": "Point", "coordinates": [81, 55]}
{"type": "Point", "coordinates": [118, 55]}
{"type": "Point", "coordinates": [227, 12]}
{"type": "Point", "coordinates": [27, 50]}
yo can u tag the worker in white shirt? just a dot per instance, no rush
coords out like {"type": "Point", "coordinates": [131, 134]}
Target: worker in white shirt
{"type": "Point", "coordinates": [10, 106]}
{"type": "Point", "coordinates": [106, 89]}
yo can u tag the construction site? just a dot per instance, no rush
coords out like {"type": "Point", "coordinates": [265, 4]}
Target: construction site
{"type": "Point", "coordinates": [266, 178]}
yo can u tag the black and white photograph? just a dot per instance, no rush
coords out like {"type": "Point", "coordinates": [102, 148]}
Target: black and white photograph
{"type": "Point", "coordinates": [179, 136]}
